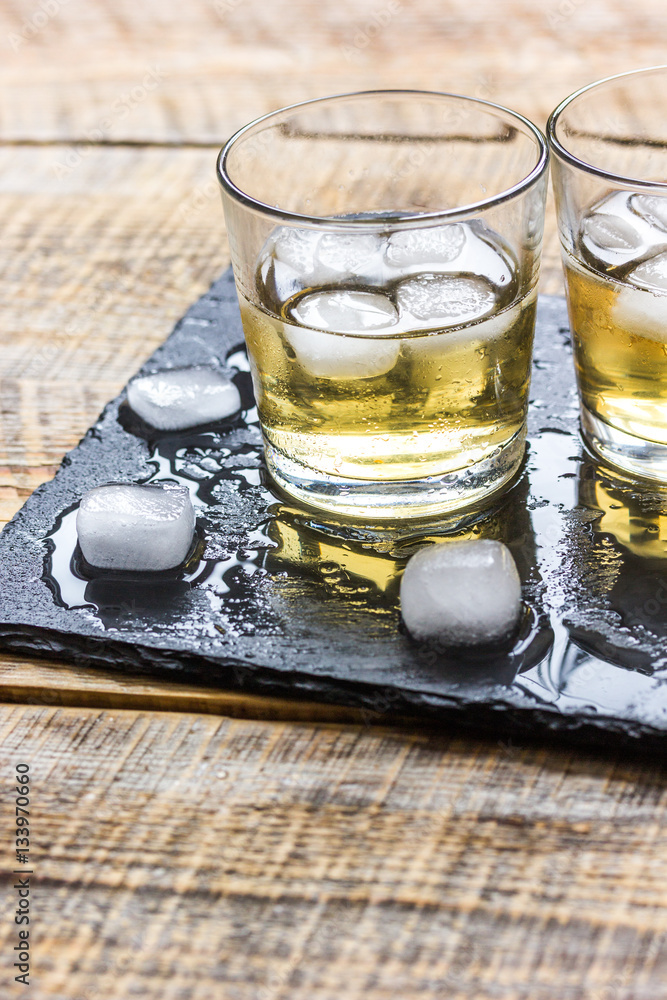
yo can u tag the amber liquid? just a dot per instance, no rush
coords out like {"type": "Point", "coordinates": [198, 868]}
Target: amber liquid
{"type": "Point", "coordinates": [450, 400]}
{"type": "Point", "coordinates": [617, 295]}
{"type": "Point", "coordinates": [420, 395]}
{"type": "Point", "coordinates": [620, 351]}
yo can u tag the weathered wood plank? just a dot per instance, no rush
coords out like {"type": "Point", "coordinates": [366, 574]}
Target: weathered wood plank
{"type": "Point", "coordinates": [96, 267]}
{"type": "Point", "coordinates": [85, 68]}
{"type": "Point", "coordinates": [190, 857]}
{"type": "Point", "coordinates": [47, 682]}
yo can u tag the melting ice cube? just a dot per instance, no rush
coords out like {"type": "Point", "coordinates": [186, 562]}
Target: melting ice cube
{"type": "Point", "coordinates": [651, 274]}
{"type": "Point", "coordinates": [636, 309]}
{"type": "Point", "coordinates": [456, 248]}
{"type": "Point", "coordinates": [179, 398]}
{"type": "Point", "coordinates": [136, 528]}
{"type": "Point", "coordinates": [287, 263]}
{"type": "Point", "coordinates": [346, 311]}
{"type": "Point", "coordinates": [331, 355]}
{"type": "Point", "coordinates": [610, 240]}
{"type": "Point", "coordinates": [294, 247]}
{"type": "Point", "coordinates": [640, 313]}
{"type": "Point", "coordinates": [482, 255]}
{"type": "Point", "coordinates": [342, 256]}
{"type": "Point", "coordinates": [445, 300]}
{"type": "Point", "coordinates": [612, 234]}
{"type": "Point", "coordinates": [461, 593]}
{"type": "Point", "coordinates": [652, 208]}
{"type": "Point", "coordinates": [295, 259]}
{"type": "Point", "coordinates": [433, 245]}
{"type": "Point", "coordinates": [440, 345]}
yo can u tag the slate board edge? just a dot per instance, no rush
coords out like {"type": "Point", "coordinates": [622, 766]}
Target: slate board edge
{"type": "Point", "coordinates": [488, 717]}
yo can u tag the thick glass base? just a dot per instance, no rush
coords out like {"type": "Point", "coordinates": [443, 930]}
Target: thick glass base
{"type": "Point", "coordinates": [391, 501]}
{"type": "Point", "coordinates": [630, 454]}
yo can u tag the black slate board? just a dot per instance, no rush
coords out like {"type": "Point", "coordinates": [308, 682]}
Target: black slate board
{"type": "Point", "coordinates": [286, 602]}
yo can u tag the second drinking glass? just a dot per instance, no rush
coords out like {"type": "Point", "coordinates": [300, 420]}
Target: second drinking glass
{"type": "Point", "coordinates": [385, 248]}
{"type": "Point", "coordinates": [610, 178]}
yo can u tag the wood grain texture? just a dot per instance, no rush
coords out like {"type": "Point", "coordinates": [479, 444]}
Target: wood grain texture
{"type": "Point", "coordinates": [95, 269]}
{"type": "Point", "coordinates": [182, 856]}
{"type": "Point", "coordinates": [179, 856]}
{"type": "Point", "coordinates": [219, 63]}
{"type": "Point", "coordinates": [48, 682]}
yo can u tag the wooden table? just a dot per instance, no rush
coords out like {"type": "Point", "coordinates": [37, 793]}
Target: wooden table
{"type": "Point", "coordinates": [200, 845]}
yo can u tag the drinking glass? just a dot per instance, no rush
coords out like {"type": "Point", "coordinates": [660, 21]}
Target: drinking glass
{"type": "Point", "coordinates": [609, 142]}
{"type": "Point", "coordinates": [385, 248]}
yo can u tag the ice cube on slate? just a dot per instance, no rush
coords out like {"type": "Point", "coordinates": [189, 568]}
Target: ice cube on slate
{"type": "Point", "coordinates": [136, 528]}
{"type": "Point", "coordinates": [179, 398]}
{"type": "Point", "coordinates": [434, 245]}
{"type": "Point", "coordinates": [330, 355]}
{"type": "Point", "coordinates": [445, 299]}
{"type": "Point", "coordinates": [461, 593]}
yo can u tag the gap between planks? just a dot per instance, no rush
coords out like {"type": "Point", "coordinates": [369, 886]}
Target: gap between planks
{"type": "Point", "coordinates": [113, 144]}
{"type": "Point", "coordinates": [43, 682]}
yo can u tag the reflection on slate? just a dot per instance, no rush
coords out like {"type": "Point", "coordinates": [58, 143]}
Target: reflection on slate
{"type": "Point", "coordinates": [278, 600]}
{"type": "Point", "coordinates": [622, 581]}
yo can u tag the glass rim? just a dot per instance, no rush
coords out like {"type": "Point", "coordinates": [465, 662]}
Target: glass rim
{"type": "Point", "coordinates": [563, 153]}
{"type": "Point", "coordinates": [409, 220]}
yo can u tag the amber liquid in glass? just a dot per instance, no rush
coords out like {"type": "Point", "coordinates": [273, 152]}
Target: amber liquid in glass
{"type": "Point", "coordinates": [389, 357]}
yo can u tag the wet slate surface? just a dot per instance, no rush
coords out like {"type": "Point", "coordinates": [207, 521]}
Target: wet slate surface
{"type": "Point", "coordinates": [282, 601]}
